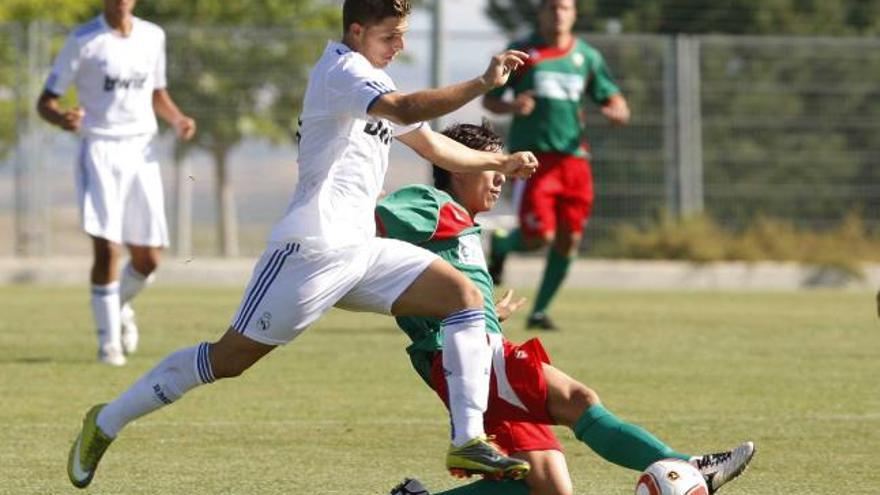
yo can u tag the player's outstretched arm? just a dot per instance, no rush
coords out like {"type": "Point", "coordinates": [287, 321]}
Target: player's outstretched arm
{"type": "Point", "coordinates": [164, 106]}
{"type": "Point", "coordinates": [50, 110]}
{"type": "Point", "coordinates": [456, 157]}
{"type": "Point", "coordinates": [409, 108]}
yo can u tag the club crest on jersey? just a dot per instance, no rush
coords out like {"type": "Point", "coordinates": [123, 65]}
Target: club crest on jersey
{"type": "Point", "coordinates": [379, 128]}
{"type": "Point", "coordinates": [577, 59]}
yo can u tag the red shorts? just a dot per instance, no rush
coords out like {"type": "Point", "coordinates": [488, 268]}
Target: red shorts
{"type": "Point", "coordinates": [517, 414]}
{"type": "Point", "coordinates": [560, 194]}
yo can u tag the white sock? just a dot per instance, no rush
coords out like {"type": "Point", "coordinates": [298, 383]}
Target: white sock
{"type": "Point", "coordinates": [105, 309]}
{"type": "Point", "coordinates": [467, 359]}
{"type": "Point", "coordinates": [164, 384]}
{"type": "Point", "coordinates": [132, 283]}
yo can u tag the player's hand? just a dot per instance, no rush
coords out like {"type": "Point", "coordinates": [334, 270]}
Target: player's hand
{"type": "Point", "coordinates": [501, 66]}
{"type": "Point", "coordinates": [524, 103]}
{"type": "Point", "coordinates": [185, 127]}
{"type": "Point", "coordinates": [520, 165]}
{"type": "Point", "coordinates": [72, 119]}
{"type": "Point", "coordinates": [616, 111]}
{"type": "Point", "coordinates": [506, 306]}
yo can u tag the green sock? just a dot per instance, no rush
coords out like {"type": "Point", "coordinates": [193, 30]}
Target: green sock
{"type": "Point", "coordinates": [487, 487]}
{"type": "Point", "coordinates": [512, 242]}
{"type": "Point", "coordinates": [554, 275]}
{"type": "Point", "coordinates": [622, 443]}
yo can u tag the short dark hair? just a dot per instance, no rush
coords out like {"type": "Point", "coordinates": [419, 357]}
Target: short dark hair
{"type": "Point", "coordinates": [366, 12]}
{"type": "Point", "coordinates": [479, 137]}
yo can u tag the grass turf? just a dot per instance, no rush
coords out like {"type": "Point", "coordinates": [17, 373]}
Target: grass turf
{"type": "Point", "coordinates": [341, 412]}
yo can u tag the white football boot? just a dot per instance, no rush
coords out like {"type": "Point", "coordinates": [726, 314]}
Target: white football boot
{"type": "Point", "coordinates": [718, 469]}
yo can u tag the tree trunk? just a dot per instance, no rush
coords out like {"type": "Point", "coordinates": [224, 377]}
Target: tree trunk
{"type": "Point", "coordinates": [183, 204]}
{"type": "Point", "coordinates": [227, 223]}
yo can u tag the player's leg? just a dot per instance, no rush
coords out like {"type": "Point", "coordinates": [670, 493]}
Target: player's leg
{"type": "Point", "coordinates": [443, 292]}
{"type": "Point", "coordinates": [163, 385]}
{"type": "Point", "coordinates": [105, 300]}
{"type": "Point", "coordinates": [145, 230]}
{"type": "Point", "coordinates": [273, 311]}
{"type": "Point", "coordinates": [577, 406]}
{"type": "Point", "coordinates": [137, 274]}
{"type": "Point", "coordinates": [405, 280]}
{"type": "Point", "coordinates": [571, 210]}
{"type": "Point", "coordinates": [100, 184]}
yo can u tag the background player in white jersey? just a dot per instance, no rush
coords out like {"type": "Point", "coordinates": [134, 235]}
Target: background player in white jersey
{"type": "Point", "coordinates": [324, 252]}
{"type": "Point", "coordinates": [117, 63]}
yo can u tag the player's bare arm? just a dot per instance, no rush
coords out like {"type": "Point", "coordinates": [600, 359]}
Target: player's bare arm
{"type": "Point", "coordinates": [616, 110]}
{"type": "Point", "coordinates": [456, 157]}
{"type": "Point", "coordinates": [409, 108]}
{"type": "Point", "coordinates": [523, 104]}
{"type": "Point", "coordinates": [164, 106]}
{"type": "Point", "coordinates": [50, 110]}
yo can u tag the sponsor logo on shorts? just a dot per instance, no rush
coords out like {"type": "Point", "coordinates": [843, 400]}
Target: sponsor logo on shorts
{"type": "Point", "coordinates": [265, 321]}
{"type": "Point", "coordinates": [521, 355]}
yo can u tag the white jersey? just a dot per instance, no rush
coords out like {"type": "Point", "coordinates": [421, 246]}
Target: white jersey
{"type": "Point", "coordinates": [115, 76]}
{"type": "Point", "coordinates": [343, 153]}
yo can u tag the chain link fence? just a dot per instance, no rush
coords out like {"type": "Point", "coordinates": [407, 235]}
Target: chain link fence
{"type": "Point", "coordinates": [736, 127]}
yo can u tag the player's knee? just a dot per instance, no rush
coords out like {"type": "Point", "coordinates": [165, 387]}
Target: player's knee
{"type": "Point", "coordinates": [583, 396]}
{"type": "Point", "coordinates": [145, 266]}
{"type": "Point", "coordinates": [470, 297]}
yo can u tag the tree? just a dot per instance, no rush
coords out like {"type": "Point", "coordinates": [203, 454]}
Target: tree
{"type": "Point", "coordinates": [831, 17]}
{"type": "Point", "coordinates": [239, 67]}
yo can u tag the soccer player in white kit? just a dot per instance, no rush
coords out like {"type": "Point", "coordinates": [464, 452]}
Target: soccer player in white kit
{"type": "Point", "coordinates": [117, 63]}
{"type": "Point", "coordinates": [324, 251]}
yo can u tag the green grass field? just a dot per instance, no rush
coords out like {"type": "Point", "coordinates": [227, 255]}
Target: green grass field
{"type": "Point", "coordinates": [340, 411]}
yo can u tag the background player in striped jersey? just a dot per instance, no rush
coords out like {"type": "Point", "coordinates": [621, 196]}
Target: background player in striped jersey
{"type": "Point", "coordinates": [117, 63]}
{"type": "Point", "coordinates": [548, 108]}
{"type": "Point", "coordinates": [527, 392]}
{"type": "Point", "coordinates": [324, 251]}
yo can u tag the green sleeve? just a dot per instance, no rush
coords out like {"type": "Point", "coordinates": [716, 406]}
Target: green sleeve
{"type": "Point", "coordinates": [601, 85]}
{"type": "Point", "coordinates": [409, 214]}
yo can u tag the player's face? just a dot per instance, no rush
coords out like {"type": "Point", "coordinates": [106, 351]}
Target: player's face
{"type": "Point", "coordinates": [119, 8]}
{"type": "Point", "coordinates": [479, 191]}
{"type": "Point", "coordinates": [380, 43]}
{"type": "Point", "coordinates": [557, 16]}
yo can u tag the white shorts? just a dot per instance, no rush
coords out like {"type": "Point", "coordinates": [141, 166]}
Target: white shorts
{"type": "Point", "coordinates": [119, 188]}
{"type": "Point", "coordinates": [293, 286]}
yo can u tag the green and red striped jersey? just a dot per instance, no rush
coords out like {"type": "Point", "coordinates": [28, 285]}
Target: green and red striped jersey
{"type": "Point", "coordinates": [559, 79]}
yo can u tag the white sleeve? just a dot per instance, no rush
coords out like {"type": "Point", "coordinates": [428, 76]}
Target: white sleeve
{"type": "Point", "coordinates": [65, 68]}
{"type": "Point", "coordinates": [400, 130]}
{"type": "Point", "coordinates": [352, 90]}
{"type": "Point", "coordinates": [159, 76]}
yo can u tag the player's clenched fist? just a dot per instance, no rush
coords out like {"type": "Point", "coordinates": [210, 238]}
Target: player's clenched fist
{"type": "Point", "coordinates": [501, 66]}
{"type": "Point", "coordinates": [185, 128]}
{"type": "Point", "coordinates": [72, 119]}
{"type": "Point", "coordinates": [521, 165]}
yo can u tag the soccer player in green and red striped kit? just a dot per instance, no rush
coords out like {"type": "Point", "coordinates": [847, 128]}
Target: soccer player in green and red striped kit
{"type": "Point", "coordinates": [526, 392]}
{"type": "Point", "coordinates": [547, 107]}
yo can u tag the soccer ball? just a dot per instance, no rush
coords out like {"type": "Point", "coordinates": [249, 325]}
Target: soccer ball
{"type": "Point", "coordinates": [671, 477]}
